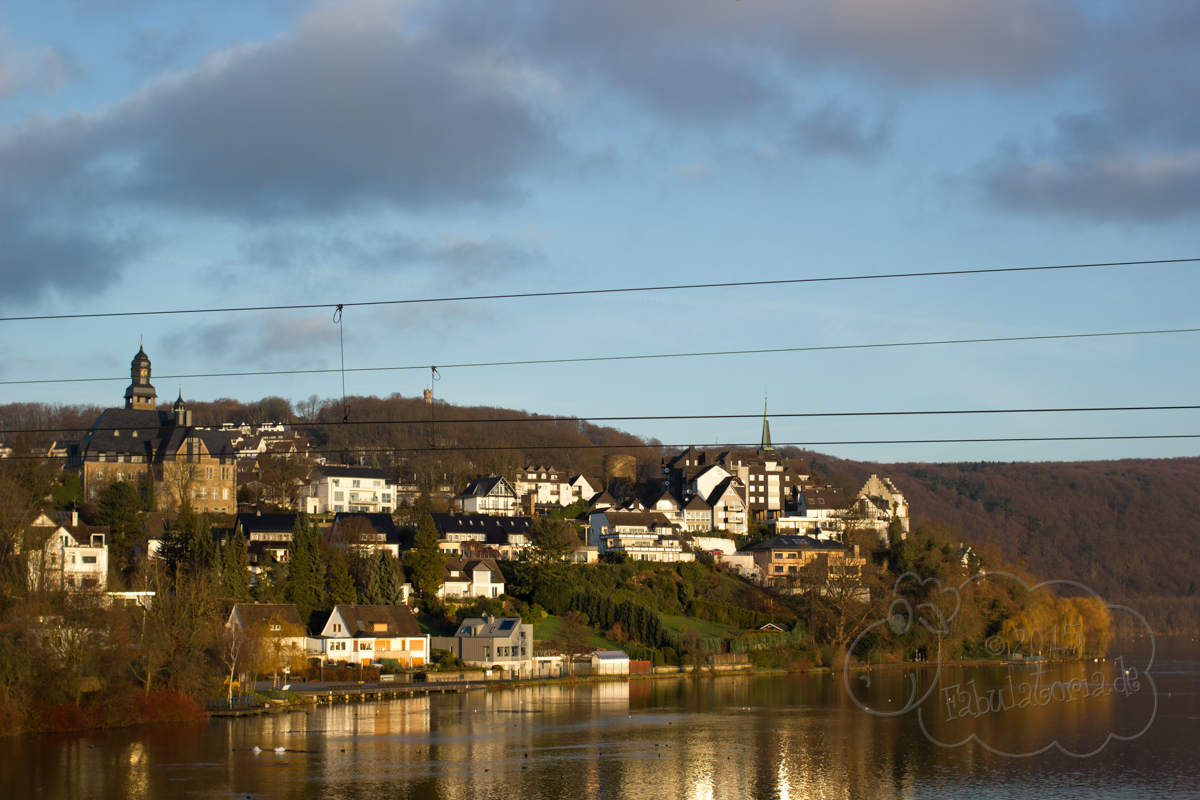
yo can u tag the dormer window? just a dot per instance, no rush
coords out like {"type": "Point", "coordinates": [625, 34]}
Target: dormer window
{"type": "Point", "coordinates": [116, 433]}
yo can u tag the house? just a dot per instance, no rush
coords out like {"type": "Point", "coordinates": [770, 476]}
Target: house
{"type": "Point", "coordinates": [793, 558]}
{"type": "Point", "coordinates": [268, 539]}
{"type": "Point", "coordinates": [543, 486]}
{"type": "Point", "coordinates": [365, 534]}
{"type": "Point", "coordinates": [639, 535]}
{"type": "Point", "coordinates": [369, 634]}
{"type": "Point", "coordinates": [159, 452]}
{"type": "Point", "coordinates": [279, 622]}
{"type": "Point", "coordinates": [503, 642]}
{"type": "Point", "coordinates": [471, 577]}
{"type": "Point", "coordinates": [697, 515]}
{"type": "Point", "coordinates": [508, 537]}
{"type": "Point", "coordinates": [610, 662]}
{"type": "Point", "coordinates": [71, 556]}
{"type": "Point", "coordinates": [492, 495]}
{"type": "Point", "coordinates": [581, 488]}
{"type": "Point", "coordinates": [879, 503]}
{"type": "Point", "coordinates": [335, 489]}
{"type": "Point", "coordinates": [771, 481]}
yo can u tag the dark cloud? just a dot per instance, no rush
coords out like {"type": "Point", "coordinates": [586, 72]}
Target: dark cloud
{"type": "Point", "coordinates": [1136, 156]}
{"type": "Point", "coordinates": [836, 130]}
{"type": "Point", "coordinates": [348, 111]}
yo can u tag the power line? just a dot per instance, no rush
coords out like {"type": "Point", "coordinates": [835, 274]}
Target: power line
{"type": "Point", "coordinates": [592, 359]}
{"type": "Point", "coordinates": [677, 417]}
{"type": "Point", "coordinates": [624, 290]}
{"type": "Point", "coordinates": [644, 445]}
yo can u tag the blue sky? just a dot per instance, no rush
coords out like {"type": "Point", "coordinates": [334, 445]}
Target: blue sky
{"type": "Point", "coordinates": [187, 154]}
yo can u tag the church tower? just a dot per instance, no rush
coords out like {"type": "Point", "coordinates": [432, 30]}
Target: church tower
{"type": "Point", "coordinates": [140, 395]}
{"type": "Point", "coordinates": [766, 434]}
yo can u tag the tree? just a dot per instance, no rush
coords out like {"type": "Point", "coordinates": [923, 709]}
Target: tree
{"type": "Point", "coordinates": [573, 634]}
{"type": "Point", "coordinates": [233, 651]}
{"type": "Point", "coordinates": [553, 539]}
{"type": "Point", "coordinates": [426, 562]}
{"type": "Point", "coordinates": [235, 568]}
{"type": "Point", "coordinates": [121, 511]}
{"type": "Point", "coordinates": [341, 582]}
{"type": "Point", "coordinates": [178, 476]}
{"type": "Point", "coordinates": [281, 476]}
{"type": "Point", "coordinates": [385, 581]}
{"type": "Point", "coordinates": [306, 573]}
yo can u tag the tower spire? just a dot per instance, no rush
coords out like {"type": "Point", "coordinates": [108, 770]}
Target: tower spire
{"type": "Point", "coordinates": [766, 434]}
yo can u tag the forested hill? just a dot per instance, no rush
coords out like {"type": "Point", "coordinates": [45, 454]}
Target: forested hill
{"type": "Point", "coordinates": [1127, 529]}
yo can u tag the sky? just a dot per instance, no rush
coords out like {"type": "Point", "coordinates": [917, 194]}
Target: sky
{"type": "Point", "coordinates": [190, 155]}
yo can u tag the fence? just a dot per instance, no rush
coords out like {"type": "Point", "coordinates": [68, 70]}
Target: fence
{"type": "Point", "coordinates": [231, 704]}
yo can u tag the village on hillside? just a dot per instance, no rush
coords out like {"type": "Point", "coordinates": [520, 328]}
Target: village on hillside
{"type": "Point", "coordinates": [261, 506]}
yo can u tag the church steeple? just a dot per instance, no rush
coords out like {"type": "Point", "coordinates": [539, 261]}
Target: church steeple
{"type": "Point", "coordinates": [140, 394]}
{"type": "Point", "coordinates": [766, 435]}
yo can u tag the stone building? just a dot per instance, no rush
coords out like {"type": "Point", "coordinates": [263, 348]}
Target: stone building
{"type": "Point", "coordinates": [157, 451]}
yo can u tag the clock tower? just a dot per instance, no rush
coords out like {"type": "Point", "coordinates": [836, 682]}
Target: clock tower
{"type": "Point", "coordinates": [140, 394]}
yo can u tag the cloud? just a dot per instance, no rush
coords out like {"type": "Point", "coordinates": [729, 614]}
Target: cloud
{"type": "Point", "coordinates": [1136, 155]}
{"type": "Point", "coordinates": [350, 110]}
{"type": "Point", "coordinates": [43, 70]}
{"type": "Point", "coordinates": [458, 259]}
{"type": "Point", "coordinates": [835, 130]}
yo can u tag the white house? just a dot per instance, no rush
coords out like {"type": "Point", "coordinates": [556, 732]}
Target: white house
{"type": "Point", "coordinates": [279, 621]}
{"type": "Point", "coordinates": [333, 489]}
{"type": "Point", "coordinates": [492, 495]}
{"type": "Point", "coordinates": [368, 634]}
{"type": "Point", "coordinates": [471, 577]}
{"type": "Point", "coordinates": [72, 556]}
{"type": "Point", "coordinates": [728, 503]}
{"type": "Point", "coordinates": [639, 535]}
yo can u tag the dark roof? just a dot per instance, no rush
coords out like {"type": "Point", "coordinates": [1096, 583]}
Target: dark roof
{"type": "Point", "coordinates": [499, 627]}
{"type": "Point", "coordinates": [724, 486]}
{"type": "Point", "coordinates": [499, 527]}
{"type": "Point", "coordinates": [380, 523]}
{"type": "Point", "coordinates": [697, 504]}
{"type": "Point", "coordinates": [371, 473]}
{"type": "Point", "coordinates": [360, 620]}
{"type": "Point", "coordinates": [664, 496]}
{"type": "Point", "coordinates": [265, 523]}
{"type": "Point", "coordinates": [484, 486]}
{"type": "Point", "coordinates": [261, 613]}
{"type": "Point", "coordinates": [645, 519]}
{"type": "Point", "coordinates": [468, 565]}
{"type": "Point", "coordinates": [795, 543]}
{"type": "Point", "coordinates": [824, 496]}
{"type": "Point", "coordinates": [157, 435]}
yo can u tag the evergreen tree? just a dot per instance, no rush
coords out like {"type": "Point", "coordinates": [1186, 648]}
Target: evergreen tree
{"type": "Point", "coordinates": [341, 582]}
{"type": "Point", "coordinates": [201, 548]}
{"type": "Point", "coordinates": [306, 572]}
{"type": "Point", "coordinates": [121, 511]}
{"type": "Point", "coordinates": [235, 568]}
{"type": "Point", "coordinates": [426, 562]}
{"type": "Point", "coordinates": [177, 538]}
{"type": "Point", "coordinates": [272, 584]}
{"type": "Point", "coordinates": [385, 582]}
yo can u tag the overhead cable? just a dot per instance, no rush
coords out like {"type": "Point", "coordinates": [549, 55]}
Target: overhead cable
{"type": "Point", "coordinates": [622, 290]}
{"type": "Point", "coordinates": [592, 359]}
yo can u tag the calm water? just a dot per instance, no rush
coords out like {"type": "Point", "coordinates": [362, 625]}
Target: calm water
{"type": "Point", "coordinates": [735, 737]}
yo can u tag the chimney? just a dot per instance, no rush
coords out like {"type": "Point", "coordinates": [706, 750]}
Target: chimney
{"type": "Point", "coordinates": [74, 518]}
{"type": "Point", "coordinates": [188, 418]}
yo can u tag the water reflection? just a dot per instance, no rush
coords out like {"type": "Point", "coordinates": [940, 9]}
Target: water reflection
{"type": "Point", "coordinates": [744, 736]}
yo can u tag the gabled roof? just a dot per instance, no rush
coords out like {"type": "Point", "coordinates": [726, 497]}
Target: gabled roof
{"type": "Point", "coordinates": [467, 566]}
{"type": "Point", "coordinates": [730, 485]}
{"type": "Point", "coordinates": [638, 519]}
{"type": "Point", "coordinates": [665, 496]}
{"type": "Point", "coordinates": [489, 526]}
{"type": "Point", "coordinates": [147, 433]}
{"type": "Point", "coordinates": [611, 655]}
{"type": "Point", "coordinates": [361, 620]}
{"type": "Point", "coordinates": [251, 614]}
{"type": "Point", "coordinates": [481, 487]}
{"type": "Point", "coordinates": [697, 504]}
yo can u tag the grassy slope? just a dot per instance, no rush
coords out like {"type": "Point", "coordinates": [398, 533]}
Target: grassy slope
{"type": "Point", "coordinates": [711, 630]}
{"type": "Point", "coordinates": [548, 629]}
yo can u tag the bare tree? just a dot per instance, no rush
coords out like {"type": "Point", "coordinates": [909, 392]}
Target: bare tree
{"type": "Point", "coordinates": [178, 477]}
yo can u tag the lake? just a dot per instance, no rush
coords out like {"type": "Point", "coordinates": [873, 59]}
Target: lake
{"type": "Point", "coordinates": [760, 736]}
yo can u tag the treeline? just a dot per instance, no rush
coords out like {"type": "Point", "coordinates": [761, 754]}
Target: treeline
{"type": "Point", "coordinates": [1127, 529]}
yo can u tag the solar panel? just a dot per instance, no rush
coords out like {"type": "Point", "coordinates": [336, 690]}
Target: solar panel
{"type": "Point", "coordinates": [507, 625]}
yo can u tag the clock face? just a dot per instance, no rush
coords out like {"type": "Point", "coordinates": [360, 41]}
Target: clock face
{"type": "Point", "coordinates": [143, 373]}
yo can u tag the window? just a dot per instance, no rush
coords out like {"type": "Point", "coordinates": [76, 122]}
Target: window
{"type": "Point", "coordinates": [120, 475]}
{"type": "Point", "coordinates": [336, 482]}
{"type": "Point", "coordinates": [339, 495]}
{"type": "Point", "coordinates": [376, 484]}
{"type": "Point", "coordinates": [208, 473]}
{"type": "Point", "coordinates": [779, 567]}
{"type": "Point", "coordinates": [356, 483]}
{"type": "Point", "coordinates": [337, 627]}
{"type": "Point", "coordinates": [224, 494]}
{"type": "Point", "coordinates": [338, 509]}
{"type": "Point", "coordinates": [275, 626]}
{"type": "Point", "coordinates": [203, 492]}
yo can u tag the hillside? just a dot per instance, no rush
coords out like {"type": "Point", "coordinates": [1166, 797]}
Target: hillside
{"type": "Point", "coordinates": [1127, 529]}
